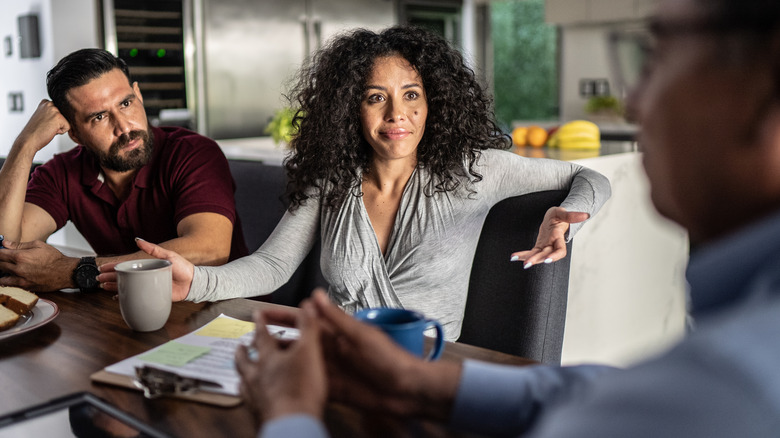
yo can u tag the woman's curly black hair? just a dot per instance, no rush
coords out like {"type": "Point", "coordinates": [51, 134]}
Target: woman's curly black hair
{"type": "Point", "coordinates": [329, 150]}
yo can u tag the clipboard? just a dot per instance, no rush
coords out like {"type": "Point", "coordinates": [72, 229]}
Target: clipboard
{"type": "Point", "coordinates": [210, 398]}
{"type": "Point", "coordinates": [197, 366]}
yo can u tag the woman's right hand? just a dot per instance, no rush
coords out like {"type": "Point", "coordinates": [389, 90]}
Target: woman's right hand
{"type": "Point", "coordinates": [182, 269]}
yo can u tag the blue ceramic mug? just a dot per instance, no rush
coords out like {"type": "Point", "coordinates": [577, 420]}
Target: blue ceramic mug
{"type": "Point", "coordinates": [406, 328]}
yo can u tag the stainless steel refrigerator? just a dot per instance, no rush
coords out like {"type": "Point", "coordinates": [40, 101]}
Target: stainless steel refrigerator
{"type": "Point", "coordinates": [252, 48]}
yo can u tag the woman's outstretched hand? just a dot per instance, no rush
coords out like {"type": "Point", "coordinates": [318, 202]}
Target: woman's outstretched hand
{"type": "Point", "coordinates": [181, 267]}
{"type": "Point", "coordinates": [551, 243]}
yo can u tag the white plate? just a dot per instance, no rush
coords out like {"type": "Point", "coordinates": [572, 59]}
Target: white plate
{"type": "Point", "coordinates": [43, 312]}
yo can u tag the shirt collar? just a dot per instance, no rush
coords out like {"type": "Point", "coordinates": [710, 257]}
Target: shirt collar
{"type": "Point", "coordinates": [719, 272]}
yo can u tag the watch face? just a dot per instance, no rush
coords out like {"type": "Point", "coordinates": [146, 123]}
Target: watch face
{"type": "Point", "coordinates": [85, 276]}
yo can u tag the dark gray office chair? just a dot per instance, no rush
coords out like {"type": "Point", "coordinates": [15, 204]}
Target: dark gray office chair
{"type": "Point", "coordinates": [510, 309]}
{"type": "Point", "coordinates": [259, 188]}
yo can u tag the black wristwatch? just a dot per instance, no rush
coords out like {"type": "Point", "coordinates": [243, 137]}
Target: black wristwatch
{"type": "Point", "coordinates": [85, 273]}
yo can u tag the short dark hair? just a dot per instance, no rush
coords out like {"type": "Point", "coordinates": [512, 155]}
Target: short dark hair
{"type": "Point", "coordinates": [330, 151]}
{"type": "Point", "coordinates": [754, 16]}
{"type": "Point", "coordinates": [77, 69]}
{"type": "Point", "coordinates": [753, 28]}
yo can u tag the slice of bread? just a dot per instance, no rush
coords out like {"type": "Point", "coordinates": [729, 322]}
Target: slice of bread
{"type": "Point", "coordinates": [18, 300]}
{"type": "Point", "coordinates": [7, 318]}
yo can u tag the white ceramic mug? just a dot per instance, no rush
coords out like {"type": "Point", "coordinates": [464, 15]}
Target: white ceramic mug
{"type": "Point", "coordinates": [145, 288]}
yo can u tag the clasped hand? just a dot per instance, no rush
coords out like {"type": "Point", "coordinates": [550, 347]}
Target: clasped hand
{"type": "Point", "coordinates": [341, 359]}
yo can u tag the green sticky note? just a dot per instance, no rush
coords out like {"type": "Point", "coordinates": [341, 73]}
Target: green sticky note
{"type": "Point", "coordinates": [175, 354]}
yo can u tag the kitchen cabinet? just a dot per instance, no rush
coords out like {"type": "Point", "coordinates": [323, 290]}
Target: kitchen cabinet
{"type": "Point", "coordinates": [252, 49]}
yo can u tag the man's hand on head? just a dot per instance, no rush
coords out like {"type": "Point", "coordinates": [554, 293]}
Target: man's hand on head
{"type": "Point", "coordinates": [45, 123]}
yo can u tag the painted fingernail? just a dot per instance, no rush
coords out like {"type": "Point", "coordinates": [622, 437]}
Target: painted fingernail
{"type": "Point", "coordinates": [528, 265]}
{"type": "Point", "coordinates": [548, 260]}
{"type": "Point", "coordinates": [514, 258]}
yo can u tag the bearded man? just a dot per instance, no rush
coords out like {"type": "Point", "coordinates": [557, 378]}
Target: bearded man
{"type": "Point", "coordinates": [124, 180]}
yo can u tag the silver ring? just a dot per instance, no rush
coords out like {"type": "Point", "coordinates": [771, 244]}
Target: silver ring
{"type": "Point", "coordinates": [252, 353]}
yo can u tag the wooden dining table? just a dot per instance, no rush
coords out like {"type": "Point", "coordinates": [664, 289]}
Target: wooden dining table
{"type": "Point", "coordinates": [89, 334]}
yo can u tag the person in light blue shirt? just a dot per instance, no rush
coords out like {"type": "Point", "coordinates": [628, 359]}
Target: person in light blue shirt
{"type": "Point", "coordinates": [708, 103]}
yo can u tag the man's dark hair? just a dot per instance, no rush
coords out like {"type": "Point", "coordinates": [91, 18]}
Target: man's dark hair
{"type": "Point", "coordinates": [77, 69]}
{"type": "Point", "coordinates": [754, 25]}
{"type": "Point", "coordinates": [756, 16]}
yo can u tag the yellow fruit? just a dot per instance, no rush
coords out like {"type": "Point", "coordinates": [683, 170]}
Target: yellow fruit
{"type": "Point", "coordinates": [537, 136]}
{"type": "Point", "coordinates": [520, 136]}
{"type": "Point", "coordinates": [581, 126]}
{"type": "Point", "coordinates": [552, 141]}
{"type": "Point", "coordinates": [578, 134]}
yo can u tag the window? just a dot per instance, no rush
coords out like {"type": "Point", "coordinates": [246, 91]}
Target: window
{"type": "Point", "coordinates": [525, 70]}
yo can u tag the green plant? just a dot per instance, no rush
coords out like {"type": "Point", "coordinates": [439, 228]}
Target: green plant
{"type": "Point", "coordinates": [604, 104]}
{"type": "Point", "coordinates": [280, 128]}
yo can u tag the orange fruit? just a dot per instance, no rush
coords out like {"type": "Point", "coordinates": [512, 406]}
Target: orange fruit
{"type": "Point", "coordinates": [520, 136]}
{"type": "Point", "coordinates": [537, 136]}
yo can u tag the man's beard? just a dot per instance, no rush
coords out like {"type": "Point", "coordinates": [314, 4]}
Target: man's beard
{"type": "Point", "coordinates": [134, 159]}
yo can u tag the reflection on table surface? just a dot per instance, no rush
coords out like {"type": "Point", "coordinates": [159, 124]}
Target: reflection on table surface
{"type": "Point", "coordinates": [89, 334]}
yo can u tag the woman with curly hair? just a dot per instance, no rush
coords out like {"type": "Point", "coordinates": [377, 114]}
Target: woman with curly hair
{"type": "Point", "coordinates": [396, 163]}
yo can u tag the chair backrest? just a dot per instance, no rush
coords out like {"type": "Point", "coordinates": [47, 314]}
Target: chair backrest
{"type": "Point", "coordinates": [511, 309]}
{"type": "Point", "coordinates": [259, 190]}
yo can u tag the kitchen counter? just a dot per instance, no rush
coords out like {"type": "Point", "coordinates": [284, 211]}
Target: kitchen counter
{"type": "Point", "coordinates": [607, 148]}
{"type": "Point", "coordinates": [266, 150]}
{"type": "Point", "coordinates": [627, 285]}
{"type": "Point", "coordinates": [256, 148]}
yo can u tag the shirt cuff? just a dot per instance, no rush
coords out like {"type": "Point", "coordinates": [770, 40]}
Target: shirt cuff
{"type": "Point", "coordinates": [292, 426]}
{"type": "Point", "coordinates": [506, 400]}
{"type": "Point", "coordinates": [199, 284]}
{"type": "Point", "coordinates": [491, 399]}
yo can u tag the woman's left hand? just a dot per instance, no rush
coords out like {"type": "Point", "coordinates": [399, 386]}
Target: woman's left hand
{"type": "Point", "coordinates": [551, 243]}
